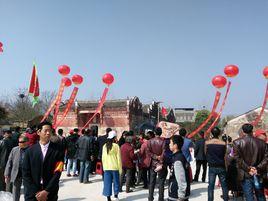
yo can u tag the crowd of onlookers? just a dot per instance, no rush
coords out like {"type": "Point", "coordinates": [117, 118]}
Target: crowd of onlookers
{"type": "Point", "coordinates": [134, 159]}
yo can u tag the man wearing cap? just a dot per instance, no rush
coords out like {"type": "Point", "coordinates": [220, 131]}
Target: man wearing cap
{"type": "Point", "coordinates": [13, 171]}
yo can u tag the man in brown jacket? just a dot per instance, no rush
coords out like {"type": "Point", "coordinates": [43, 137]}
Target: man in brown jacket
{"type": "Point", "coordinates": [156, 149]}
{"type": "Point", "coordinates": [252, 158]}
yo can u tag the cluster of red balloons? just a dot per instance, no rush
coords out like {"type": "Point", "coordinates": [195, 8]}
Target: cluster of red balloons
{"type": "Point", "coordinates": [64, 70]}
{"type": "Point", "coordinates": [220, 81]}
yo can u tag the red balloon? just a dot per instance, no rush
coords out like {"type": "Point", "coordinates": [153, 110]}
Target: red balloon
{"type": "Point", "coordinates": [108, 78]}
{"type": "Point", "coordinates": [219, 81]}
{"type": "Point", "coordinates": [265, 72]}
{"type": "Point", "coordinates": [1, 44]}
{"type": "Point", "coordinates": [67, 81]}
{"type": "Point", "coordinates": [77, 79]}
{"type": "Point", "coordinates": [231, 70]}
{"type": "Point", "coordinates": [64, 70]}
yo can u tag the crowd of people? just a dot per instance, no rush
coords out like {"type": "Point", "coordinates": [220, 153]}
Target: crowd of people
{"type": "Point", "coordinates": [37, 157]}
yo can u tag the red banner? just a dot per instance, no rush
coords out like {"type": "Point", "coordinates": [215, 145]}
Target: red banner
{"type": "Point", "coordinates": [53, 103]}
{"type": "Point", "coordinates": [100, 105]}
{"type": "Point", "coordinates": [263, 107]}
{"type": "Point", "coordinates": [68, 107]}
{"type": "Point", "coordinates": [221, 109]}
{"type": "Point", "coordinates": [215, 104]}
{"type": "Point", "coordinates": [59, 97]}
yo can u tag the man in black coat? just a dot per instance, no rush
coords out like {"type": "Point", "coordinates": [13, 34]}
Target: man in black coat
{"type": "Point", "coordinates": [200, 157]}
{"type": "Point", "coordinates": [42, 167]}
{"type": "Point", "coordinates": [85, 155]}
{"type": "Point", "coordinates": [6, 145]}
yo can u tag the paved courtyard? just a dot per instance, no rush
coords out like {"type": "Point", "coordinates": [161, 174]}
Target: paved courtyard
{"type": "Point", "coordinates": [72, 190]}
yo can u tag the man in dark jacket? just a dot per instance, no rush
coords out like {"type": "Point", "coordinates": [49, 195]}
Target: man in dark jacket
{"type": "Point", "coordinates": [71, 147]}
{"type": "Point", "coordinates": [215, 150]}
{"type": "Point", "coordinates": [200, 157]}
{"type": "Point", "coordinates": [179, 181]}
{"type": "Point", "coordinates": [42, 167]}
{"type": "Point", "coordinates": [156, 149]}
{"type": "Point", "coordinates": [85, 155]}
{"type": "Point", "coordinates": [252, 158]}
{"type": "Point", "coordinates": [6, 145]}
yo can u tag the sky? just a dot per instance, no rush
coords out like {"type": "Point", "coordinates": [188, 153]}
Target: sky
{"type": "Point", "coordinates": [158, 50]}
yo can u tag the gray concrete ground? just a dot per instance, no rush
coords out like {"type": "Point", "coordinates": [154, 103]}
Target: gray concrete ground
{"type": "Point", "coordinates": [72, 190]}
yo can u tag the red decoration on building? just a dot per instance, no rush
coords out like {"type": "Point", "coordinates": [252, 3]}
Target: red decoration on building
{"type": "Point", "coordinates": [219, 81]}
{"type": "Point", "coordinates": [64, 70]}
{"type": "Point", "coordinates": [231, 70]}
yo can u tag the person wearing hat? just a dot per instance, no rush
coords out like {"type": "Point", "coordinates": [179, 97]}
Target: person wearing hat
{"type": "Point", "coordinates": [112, 166]}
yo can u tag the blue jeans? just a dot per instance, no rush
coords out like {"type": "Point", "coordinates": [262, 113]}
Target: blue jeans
{"type": "Point", "coordinates": [212, 173]}
{"type": "Point", "coordinates": [111, 176]}
{"type": "Point", "coordinates": [84, 171]}
{"type": "Point", "coordinates": [248, 189]}
{"type": "Point", "coordinates": [71, 163]}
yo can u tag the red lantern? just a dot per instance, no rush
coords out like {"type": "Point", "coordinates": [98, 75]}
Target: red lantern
{"type": "Point", "coordinates": [67, 81]}
{"type": "Point", "coordinates": [265, 72]}
{"type": "Point", "coordinates": [64, 70]}
{"type": "Point", "coordinates": [108, 78]}
{"type": "Point", "coordinates": [219, 81]}
{"type": "Point", "coordinates": [77, 79]}
{"type": "Point", "coordinates": [231, 70]}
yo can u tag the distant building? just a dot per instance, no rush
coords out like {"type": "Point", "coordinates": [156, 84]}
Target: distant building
{"type": "Point", "coordinates": [123, 114]}
{"type": "Point", "coordinates": [184, 115]}
{"type": "Point", "coordinates": [233, 127]}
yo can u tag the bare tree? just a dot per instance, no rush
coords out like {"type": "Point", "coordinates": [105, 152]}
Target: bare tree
{"type": "Point", "coordinates": [46, 99]}
{"type": "Point", "coordinates": [20, 108]}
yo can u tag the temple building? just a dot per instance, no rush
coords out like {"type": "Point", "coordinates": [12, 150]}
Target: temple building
{"type": "Point", "coordinates": [120, 115]}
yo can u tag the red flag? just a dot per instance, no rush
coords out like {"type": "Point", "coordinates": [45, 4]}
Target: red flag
{"type": "Point", "coordinates": [33, 80]}
{"type": "Point", "coordinates": [34, 85]}
{"type": "Point", "coordinates": [164, 112]}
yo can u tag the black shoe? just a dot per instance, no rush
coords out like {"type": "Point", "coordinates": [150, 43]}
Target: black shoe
{"type": "Point", "coordinates": [195, 180]}
{"type": "Point", "coordinates": [129, 191]}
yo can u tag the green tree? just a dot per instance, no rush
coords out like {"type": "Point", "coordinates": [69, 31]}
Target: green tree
{"type": "Point", "coordinates": [201, 116]}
